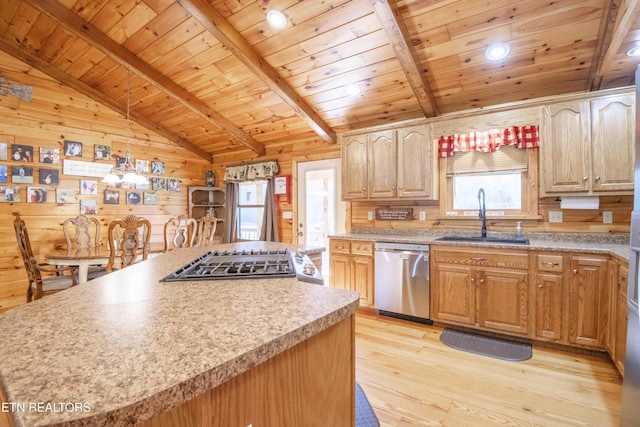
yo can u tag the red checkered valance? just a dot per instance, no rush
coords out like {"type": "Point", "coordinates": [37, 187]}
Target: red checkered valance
{"type": "Point", "coordinates": [489, 141]}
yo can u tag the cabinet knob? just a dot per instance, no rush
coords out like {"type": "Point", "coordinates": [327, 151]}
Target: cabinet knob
{"type": "Point", "coordinates": [597, 178]}
{"type": "Point", "coordinates": [400, 187]}
{"type": "Point", "coordinates": [473, 258]}
{"type": "Point", "coordinates": [364, 189]}
{"type": "Point", "coordinates": [584, 178]}
{"type": "Point", "coordinates": [481, 281]}
{"type": "Point", "coordinates": [473, 280]}
{"type": "Point", "coordinates": [575, 271]}
{"type": "Point", "coordinates": [540, 286]}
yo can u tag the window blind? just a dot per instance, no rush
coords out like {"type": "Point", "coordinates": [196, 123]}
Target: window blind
{"type": "Point", "coordinates": [507, 159]}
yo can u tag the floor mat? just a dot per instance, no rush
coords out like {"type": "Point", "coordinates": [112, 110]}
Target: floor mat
{"type": "Point", "coordinates": [486, 346]}
{"type": "Point", "coordinates": [365, 417]}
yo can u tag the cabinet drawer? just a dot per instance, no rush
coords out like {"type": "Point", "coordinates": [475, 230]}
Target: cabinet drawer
{"type": "Point", "coordinates": [550, 263]}
{"type": "Point", "coordinates": [340, 246]}
{"type": "Point", "coordinates": [482, 257]}
{"type": "Point", "coordinates": [361, 248]}
{"type": "Point", "coordinates": [623, 279]}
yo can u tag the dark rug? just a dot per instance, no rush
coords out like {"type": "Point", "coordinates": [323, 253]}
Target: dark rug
{"type": "Point", "coordinates": [486, 346]}
{"type": "Point", "coordinates": [365, 417]}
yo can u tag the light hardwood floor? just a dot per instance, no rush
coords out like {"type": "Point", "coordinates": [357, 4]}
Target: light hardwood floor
{"type": "Point", "coordinates": [412, 379]}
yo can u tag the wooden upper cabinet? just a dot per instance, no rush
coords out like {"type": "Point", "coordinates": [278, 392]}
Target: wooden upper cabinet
{"type": "Point", "coordinates": [382, 164]}
{"type": "Point", "coordinates": [612, 140]}
{"type": "Point", "coordinates": [399, 164]}
{"type": "Point", "coordinates": [564, 147]}
{"type": "Point", "coordinates": [354, 167]}
{"type": "Point", "coordinates": [416, 163]}
{"type": "Point", "coordinates": [587, 147]}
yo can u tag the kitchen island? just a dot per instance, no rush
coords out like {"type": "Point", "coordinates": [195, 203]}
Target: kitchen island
{"type": "Point", "coordinates": [128, 348]}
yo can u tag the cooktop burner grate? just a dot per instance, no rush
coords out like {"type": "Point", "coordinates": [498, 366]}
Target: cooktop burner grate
{"type": "Point", "coordinates": [236, 265]}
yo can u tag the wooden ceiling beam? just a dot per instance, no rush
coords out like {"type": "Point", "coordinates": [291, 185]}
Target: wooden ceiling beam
{"type": "Point", "coordinates": [400, 39]}
{"type": "Point", "coordinates": [230, 38]}
{"type": "Point", "coordinates": [124, 57]}
{"type": "Point", "coordinates": [55, 73]}
{"type": "Point", "coordinates": [618, 17]}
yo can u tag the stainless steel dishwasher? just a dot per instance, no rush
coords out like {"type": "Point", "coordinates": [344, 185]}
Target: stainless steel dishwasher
{"type": "Point", "coordinates": [402, 280]}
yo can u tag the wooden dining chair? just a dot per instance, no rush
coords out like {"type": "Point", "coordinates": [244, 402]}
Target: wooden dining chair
{"type": "Point", "coordinates": [179, 232]}
{"type": "Point", "coordinates": [82, 232]}
{"type": "Point", "coordinates": [39, 285]}
{"type": "Point", "coordinates": [128, 241]}
{"type": "Point", "coordinates": [207, 230]}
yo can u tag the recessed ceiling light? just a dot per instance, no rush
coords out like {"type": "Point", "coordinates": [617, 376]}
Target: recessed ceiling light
{"type": "Point", "coordinates": [634, 51]}
{"type": "Point", "coordinates": [353, 89]}
{"type": "Point", "coordinates": [497, 51]}
{"type": "Point", "coordinates": [276, 19]}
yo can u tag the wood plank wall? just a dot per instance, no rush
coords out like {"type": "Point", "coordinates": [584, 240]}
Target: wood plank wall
{"type": "Point", "coordinates": [56, 114]}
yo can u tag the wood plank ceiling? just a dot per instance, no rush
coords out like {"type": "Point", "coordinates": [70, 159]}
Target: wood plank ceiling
{"type": "Point", "coordinates": [213, 77]}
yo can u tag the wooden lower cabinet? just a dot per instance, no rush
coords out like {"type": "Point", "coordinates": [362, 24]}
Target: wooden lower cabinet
{"type": "Point", "coordinates": [549, 291]}
{"type": "Point", "coordinates": [619, 315]}
{"type": "Point", "coordinates": [351, 267]}
{"type": "Point", "coordinates": [485, 289]}
{"type": "Point", "coordinates": [548, 303]}
{"type": "Point", "coordinates": [586, 300]}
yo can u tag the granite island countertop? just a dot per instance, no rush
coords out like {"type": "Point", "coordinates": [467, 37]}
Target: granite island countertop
{"type": "Point", "coordinates": [604, 244]}
{"type": "Point", "coordinates": [125, 347]}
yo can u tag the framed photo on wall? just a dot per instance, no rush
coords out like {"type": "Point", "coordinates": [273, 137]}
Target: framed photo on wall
{"type": "Point", "coordinates": [9, 193]}
{"type": "Point", "coordinates": [72, 148]}
{"type": "Point", "coordinates": [21, 175]}
{"type": "Point", "coordinates": [111, 197]}
{"type": "Point", "coordinates": [88, 207]}
{"type": "Point", "coordinates": [36, 194]}
{"type": "Point", "coordinates": [49, 155]}
{"type": "Point", "coordinates": [48, 176]}
{"type": "Point", "coordinates": [22, 153]}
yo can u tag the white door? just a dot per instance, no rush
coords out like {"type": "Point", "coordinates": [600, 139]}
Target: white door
{"type": "Point", "coordinates": [321, 212]}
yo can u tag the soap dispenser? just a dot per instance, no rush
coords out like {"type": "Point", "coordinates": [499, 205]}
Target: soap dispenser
{"type": "Point", "coordinates": [519, 230]}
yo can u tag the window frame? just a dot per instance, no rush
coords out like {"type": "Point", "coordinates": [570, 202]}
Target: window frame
{"type": "Point", "coordinates": [529, 193]}
{"type": "Point", "coordinates": [241, 206]}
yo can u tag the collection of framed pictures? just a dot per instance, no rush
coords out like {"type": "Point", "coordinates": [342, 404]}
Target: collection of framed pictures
{"type": "Point", "coordinates": [22, 171]}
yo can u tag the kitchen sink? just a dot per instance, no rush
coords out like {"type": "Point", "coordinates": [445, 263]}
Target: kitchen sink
{"type": "Point", "coordinates": [478, 239]}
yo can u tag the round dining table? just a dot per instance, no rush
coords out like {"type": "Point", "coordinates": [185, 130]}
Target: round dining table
{"type": "Point", "coordinates": [87, 257]}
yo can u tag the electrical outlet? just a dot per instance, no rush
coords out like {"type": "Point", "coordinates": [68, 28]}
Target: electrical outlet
{"type": "Point", "coordinates": [555, 216]}
{"type": "Point", "coordinates": [423, 215]}
{"type": "Point", "coordinates": [607, 217]}
{"type": "Point", "coordinates": [370, 216]}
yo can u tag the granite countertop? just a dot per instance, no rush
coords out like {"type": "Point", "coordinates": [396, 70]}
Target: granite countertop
{"type": "Point", "coordinates": [615, 245]}
{"type": "Point", "coordinates": [125, 347]}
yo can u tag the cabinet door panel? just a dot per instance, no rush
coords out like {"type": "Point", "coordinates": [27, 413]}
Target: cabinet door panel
{"type": "Point", "coordinates": [382, 164]}
{"type": "Point", "coordinates": [362, 278]}
{"type": "Point", "coordinates": [415, 163]}
{"type": "Point", "coordinates": [354, 167]}
{"type": "Point", "coordinates": [549, 306]}
{"type": "Point", "coordinates": [585, 300]}
{"type": "Point", "coordinates": [613, 143]}
{"type": "Point", "coordinates": [503, 300]}
{"type": "Point", "coordinates": [340, 273]}
{"type": "Point", "coordinates": [564, 147]}
{"type": "Point", "coordinates": [453, 294]}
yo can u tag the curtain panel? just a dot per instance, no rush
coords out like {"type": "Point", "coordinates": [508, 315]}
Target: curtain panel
{"type": "Point", "coordinates": [489, 141]}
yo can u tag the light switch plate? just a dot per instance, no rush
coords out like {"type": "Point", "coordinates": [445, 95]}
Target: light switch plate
{"type": "Point", "coordinates": [555, 216]}
{"type": "Point", "coordinates": [607, 217]}
{"type": "Point", "coordinates": [370, 216]}
{"type": "Point", "coordinates": [423, 215]}
{"type": "Point", "coordinates": [287, 215]}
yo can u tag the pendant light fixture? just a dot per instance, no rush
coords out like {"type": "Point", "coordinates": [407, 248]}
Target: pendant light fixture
{"type": "Point", "coordinates": [130, 175]}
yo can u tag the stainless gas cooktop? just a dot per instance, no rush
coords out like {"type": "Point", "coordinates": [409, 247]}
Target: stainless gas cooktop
{"type": "Point", "coordinates": [236, 265]}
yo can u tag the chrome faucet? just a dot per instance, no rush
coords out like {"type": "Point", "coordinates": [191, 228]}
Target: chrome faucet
{"type": "Point", "coordinates": [482, 214]}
